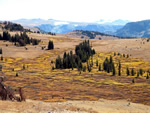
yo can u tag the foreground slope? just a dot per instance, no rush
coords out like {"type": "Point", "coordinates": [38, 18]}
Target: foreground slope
{"type": "Point", "coordinates": [101, 106]}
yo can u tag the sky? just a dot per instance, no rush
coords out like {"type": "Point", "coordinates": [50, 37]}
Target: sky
{"type": "Point", "coordinates": [75, 10]}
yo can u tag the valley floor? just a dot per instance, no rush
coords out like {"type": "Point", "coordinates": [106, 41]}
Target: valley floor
{"type": "Point", "coordinates": [41, 82]}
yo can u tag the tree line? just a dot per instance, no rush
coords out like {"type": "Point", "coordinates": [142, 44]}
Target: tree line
{"type": "Point", "coordinates": [20, 40]}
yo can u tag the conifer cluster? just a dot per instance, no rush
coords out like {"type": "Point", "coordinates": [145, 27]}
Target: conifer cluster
{"type": "Point", "coordinates": [108, 65]}
{"type": "Point", "coordinates": [83, 51]}
{"type": "Point", "coordinates": [21, 39]}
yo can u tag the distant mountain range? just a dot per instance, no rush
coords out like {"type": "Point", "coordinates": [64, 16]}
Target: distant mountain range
{"type": "Point", "coordinates": [57, 26]}
{"type": "Point", "coordinates": [121, 28]}
{"type": "Point", "coordinates": [135, 29]}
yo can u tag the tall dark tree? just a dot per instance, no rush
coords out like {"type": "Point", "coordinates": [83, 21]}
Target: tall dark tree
{"type": "Point", "coordinates": [108, 65]}
{"type": "Point", "coordinates": [58, 64]}
{"type": "Point", "coordinates": [119, 69]}
{"type": "Point", "coordinates": [99, 68]}
{"type": "Point", "coordinates": [141, 72]}
{"type": "Point", "coordinates": [147, 77]}
{"type": "Point", "coordinates": [96, 62]}
{"type": "Point", "coordinates": [0, 67]}
{"type": "Point", "coordinates": [1, 38]}
{"type": "Point", "coordinates": [1, 51]}
{"type": "Point", "coordinates": [127, 71]}
{"type": "Point", "coordinates": [138, 74]}
{"type": "Point", "coordinates": [50, 45]}
{"type": "Point", "coordinates": [114, 70]}
{"type": "Point", "coordinates": [132, 72]}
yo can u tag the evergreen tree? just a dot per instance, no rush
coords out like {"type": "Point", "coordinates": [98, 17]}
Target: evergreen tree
{"type": "Point", "coordinates": [119, 69]}
{"type": "Point", "coordinates": [127, 56]}
{"type": "Point", "coordinates": [124, 55]}
{"type": "Point", "coordinates": [84, 51]}
{"type": "Point", "coordinates": [24, 67]}
{"type": "Point", "coordinates": [89, 68]}
{"type": "Point", "coordinates": [1, 51]}
{"type": "Point", "coordinates": [99, 67]}
{"type": "Point", "coordinates": [133, 81]}
{"type": "Point", "coordinates": [132, 72]}
{"type": "Point", "coordinates": [58, 64]}
{"type": "Point", "coordinates": [1, 38]}
{"type": "Point", "coordinates": [16, 74]}
{"type": "Point", "coordinates": [1, 58]}
{"type": "Point", "coordinates": [65, 55]}
{"type": "Point", "coordinates": [96, 62]}
{"type": "Point", "coordinates": [141, 72]}
{"type": "Point", "coordinates": [114, 70]}
{"type": "Point", "coordinates": [0, 67]}
{"type": "Point", "coordinates": [50, 45]}
{"type": "Point", "coordinates": [147, 77]}
{"type": "Point", "coordinates": [22, 39]}
{"type": "Point", "coordinates": [127, 71]}
{"type": "Point", "coordinates": [137, 74]}
{"type": "Point", "coordinates": [108, 65]}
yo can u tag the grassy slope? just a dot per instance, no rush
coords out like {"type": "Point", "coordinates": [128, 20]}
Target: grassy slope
{"type": "Point", "coordinates": [40, 82]}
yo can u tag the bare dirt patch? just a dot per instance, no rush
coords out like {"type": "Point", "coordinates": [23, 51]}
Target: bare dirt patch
{"type": "Point", "coordinates": [101, 106]}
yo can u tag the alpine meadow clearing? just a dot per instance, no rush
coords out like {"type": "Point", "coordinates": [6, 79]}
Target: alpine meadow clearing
{"type": "Point", "coordinates": [34, 70]}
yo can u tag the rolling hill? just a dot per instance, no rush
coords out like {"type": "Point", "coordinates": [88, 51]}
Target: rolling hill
{"type": "Point", "coordinates": [135, 29]}
{"type": "Point", "coordinates": [84, 34]}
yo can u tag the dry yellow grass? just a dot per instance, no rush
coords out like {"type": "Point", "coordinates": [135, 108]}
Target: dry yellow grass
{"type": "Point", "coordinates": [40, 82]}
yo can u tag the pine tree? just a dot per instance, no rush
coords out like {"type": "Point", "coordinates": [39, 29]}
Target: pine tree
{"type": "Point", "coordinates": [147, 77]}
{"type": "Point", "coordinates": [124, 55]}
{"type": "Point", "coordinates": [89, 68]}
{"type": "Point", "coordinates": [132, 72]}
{"type": "Point", "coordinates": [1, 38]}
{"type": "Point", "coordinates": [114, 70]}
{"type": "Point", "coordinates": [127, 55]}
{"type": "Point", "coordinates": [119, 69]}
{"type": "Point", "coordinates": [0, 67]}
{"type": "Point", "coordinates": [16, 74]}
{"type": "Point", "coordinates": [50, 45]}
{"type": "Point", "coordinates": [137, 74]}
{"type": "Point", "coordinates": [58, 63]}
{"type": "Point", "coordinates": [1, 58]}
{"type": "Point", "coordinates": [141, 72]}
{"type": "Point", "coordinates": [96, 62]}
{"type": "Point", "coordinates": [133, 81]}
{"type": "Point", "coordinates": [24, 67]}
{"type": "Point", "coordinates": [1, 51]}
{"type": "Point", "coordinates": [127, 71]}
{"type": "Point", "coordinates": [99, 67]}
